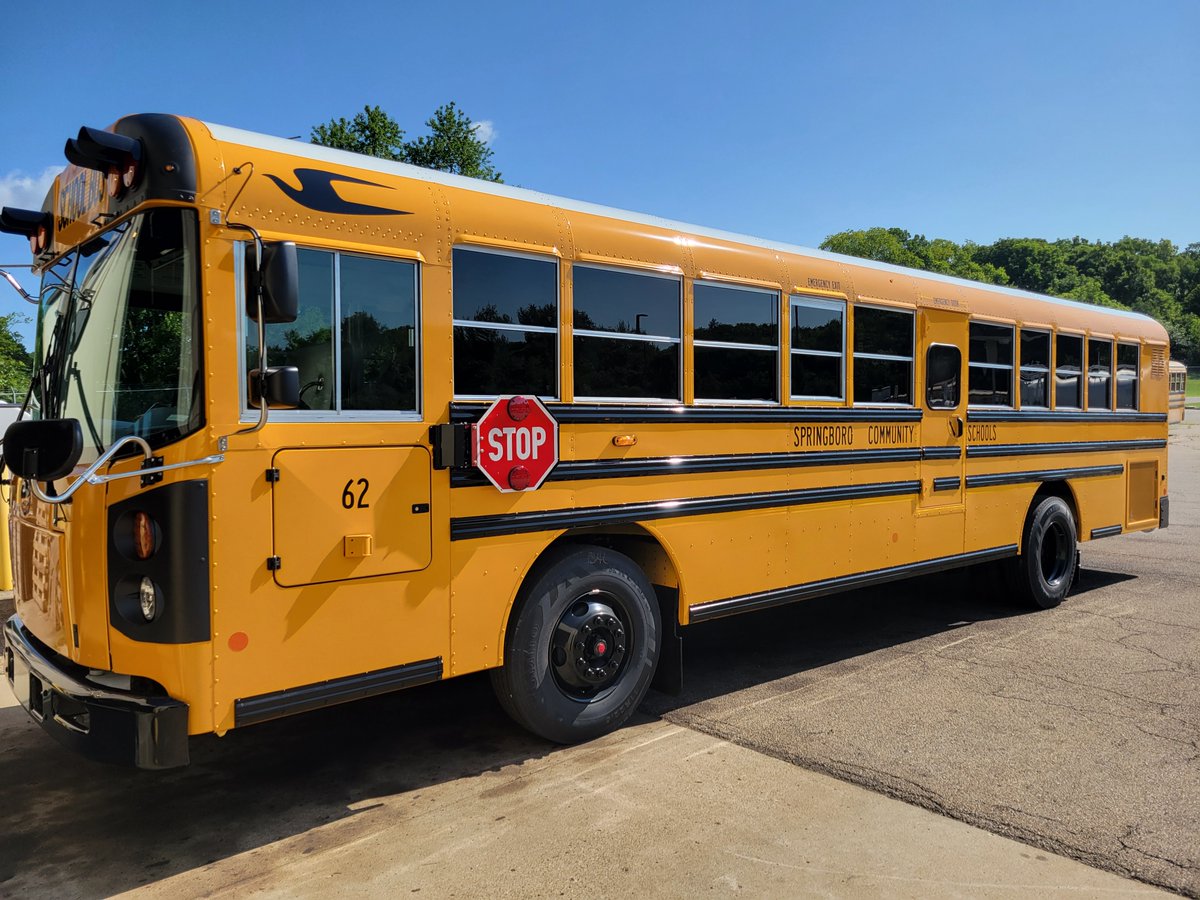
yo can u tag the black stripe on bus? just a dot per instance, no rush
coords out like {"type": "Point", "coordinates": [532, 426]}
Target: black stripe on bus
{"type": "Point", "coordinates": [941, 453]}
{"type": "Point", "coordinates": [947, 484]}
{"type": "Point", "coordinates": [1061, 447]}
{"type": "Point", "coordinates": [1060, 415]}
{"type": "Point", "coordinates": [1109, 531]}
{"type": "Point", "coordinates": [629, 513]}
{"type": "Point", "coordinates": [715, 609]}
{"type": "Point", "coordinates": [338, 690]}
{"type": "Point", "coordinates": [978, 481]}
{"type": "Point", "coordinates": [590, 413]}
{"type": "Point", "coordinates": [579, 470]}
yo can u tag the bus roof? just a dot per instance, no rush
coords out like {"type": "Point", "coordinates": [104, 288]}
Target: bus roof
{"type": "Point", "coordinates": [227, 134]}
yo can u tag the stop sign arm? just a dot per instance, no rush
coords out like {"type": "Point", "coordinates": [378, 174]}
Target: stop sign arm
{"type": "Point", "coordinates": [453, 445]}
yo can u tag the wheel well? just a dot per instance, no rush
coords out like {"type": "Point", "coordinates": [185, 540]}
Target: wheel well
{"type": "Point", "coordinates": [638, 544]}
{"type": "Point", "coordinates": [1059, 489]}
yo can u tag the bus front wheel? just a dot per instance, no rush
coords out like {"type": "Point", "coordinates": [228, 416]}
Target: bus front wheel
{"type": "Point", "coordinates": [1044, 571]}
{"type": "Point", "coordinates": [582, 645]}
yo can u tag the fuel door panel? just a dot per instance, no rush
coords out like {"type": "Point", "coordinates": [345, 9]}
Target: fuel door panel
{"type": "Point", "coordinates": [342, 513]}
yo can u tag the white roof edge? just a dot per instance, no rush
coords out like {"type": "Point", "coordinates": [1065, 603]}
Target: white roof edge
{"type": "Point", "coordinates": [253, 139]}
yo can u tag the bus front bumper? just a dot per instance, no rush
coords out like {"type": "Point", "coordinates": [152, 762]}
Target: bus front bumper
{"type": "Point", "coordinates": [105, 724]}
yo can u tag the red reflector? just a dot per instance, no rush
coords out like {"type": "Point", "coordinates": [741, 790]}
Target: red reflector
{"type": "Point", "coordinates": [518, 478]}
{"type": "Point", "coordinates": [239, 641]}
{"type": "Point", "coordinates": [518, 408]}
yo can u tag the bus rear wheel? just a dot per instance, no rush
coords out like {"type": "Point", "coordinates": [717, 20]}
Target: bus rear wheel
{"type": "Point", "coordinates": [582, 645]}
{"type": "Point", "coordinates": [1044, 571]}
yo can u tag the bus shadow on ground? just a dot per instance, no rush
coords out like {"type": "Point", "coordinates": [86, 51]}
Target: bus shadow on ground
{"type": "Point", "coordinates": [77, 828]}
{"type": "Point", "coordinates": [740, 652]}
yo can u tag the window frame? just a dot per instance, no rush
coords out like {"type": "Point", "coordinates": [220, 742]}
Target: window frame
{"type": "Point", "coordinates": [1112, 360]}
{"type": "Point", "coordinates": [818, 303]}
{"type": "Point", "coordinates": [1081, 375]}
{"type": "Point", "coordinates": [1011, 368]}
{"type": "Point", "coordinates": [250, 414]}
{"type": "Point", "coordinates": [958, 379]}
{"type": "Point", "coordinates": [1137, 377]}
{"type": "Point", "coordinates": [1047, 370]}
{"type": "Point", "coordinates": [911, 360]}
{"type": "Point", "coordinates": [505, 326]}
{"type": "Point", "coordinates": [649, 339]}
{"type": "Point", "coordinates": [731, 345]}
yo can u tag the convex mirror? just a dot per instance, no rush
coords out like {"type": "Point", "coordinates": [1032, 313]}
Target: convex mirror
{"type": "Point", "coordinates": [279, 277]}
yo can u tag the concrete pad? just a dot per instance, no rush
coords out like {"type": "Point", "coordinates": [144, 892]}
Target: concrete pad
{"type": "Point", "coordinates": [654, 810]}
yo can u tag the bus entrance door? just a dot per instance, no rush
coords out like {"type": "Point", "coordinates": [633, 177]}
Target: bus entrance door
{"type": "Point", "coordinates": [942, 387]}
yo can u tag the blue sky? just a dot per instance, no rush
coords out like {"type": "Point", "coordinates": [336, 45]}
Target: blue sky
{"type": "Point", "coordinates": [789, 121]}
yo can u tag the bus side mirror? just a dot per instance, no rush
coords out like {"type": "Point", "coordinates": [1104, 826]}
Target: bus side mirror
{"type": "Point", "coordinates": [279, 386]}
{"type": "Point", "coordinates": [43, 450]}
{"type": "Point", "coordinates": [280, 280]}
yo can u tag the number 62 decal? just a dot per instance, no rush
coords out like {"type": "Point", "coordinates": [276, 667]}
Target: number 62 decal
{"type": "Point", "coordinates": [348, 499]}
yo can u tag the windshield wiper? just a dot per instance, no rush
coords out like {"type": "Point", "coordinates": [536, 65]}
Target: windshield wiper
{"type": "Point", "coordinates": [87, 412]}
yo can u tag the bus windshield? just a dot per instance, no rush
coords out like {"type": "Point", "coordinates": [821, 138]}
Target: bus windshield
{"type": "Point", "coordinates": [119, 338]}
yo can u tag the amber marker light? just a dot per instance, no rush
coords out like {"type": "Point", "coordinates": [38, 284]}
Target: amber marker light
{"type": "Point", "coordinates": [143, 535]}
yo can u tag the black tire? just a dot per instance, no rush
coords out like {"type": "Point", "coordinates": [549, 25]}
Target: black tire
{"type": "Point", "coordinates": [582, 645]}
{"type": "Point", "coordinates": [1044, 572]}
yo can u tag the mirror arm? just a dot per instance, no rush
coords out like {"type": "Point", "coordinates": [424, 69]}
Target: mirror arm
{"type": "Point", "coordinates": [16, 286]}
{"type": "Point", "coordinates": [89, 474]}
{"type": "Point", "coordinates": [262, 328]}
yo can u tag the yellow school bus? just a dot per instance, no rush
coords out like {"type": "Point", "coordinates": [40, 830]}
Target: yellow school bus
{"type": "Point", "coordinates": [1177, 391]}
{"type": "Point", "coordinates": [249, 483]}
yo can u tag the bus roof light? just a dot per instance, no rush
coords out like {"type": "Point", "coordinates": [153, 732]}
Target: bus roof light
{"type": "Point", "coordinates": [26, 222]}
{"type": "Point", "coordinates": [117, 156]}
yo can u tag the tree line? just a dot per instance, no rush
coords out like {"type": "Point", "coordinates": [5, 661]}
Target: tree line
{"type": "Point", "coordinates": [1152, 277]}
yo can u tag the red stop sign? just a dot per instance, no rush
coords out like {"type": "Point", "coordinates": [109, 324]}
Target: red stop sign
{"type": "Point", "coordinates": [516, 443]}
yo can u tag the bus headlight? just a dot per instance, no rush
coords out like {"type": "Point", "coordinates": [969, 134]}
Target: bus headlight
{"type": "Point", "coordinates": [148, 595]}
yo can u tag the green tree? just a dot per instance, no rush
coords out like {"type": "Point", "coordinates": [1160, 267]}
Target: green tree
{"type": "Point", "coordinates": [899, 247]}
{"type": "Point", "coordinates": [16, 363]}
{"type": "Point", "coordinates": [372, 132]}
{"type": "Point", "coordinates": [452, 145]}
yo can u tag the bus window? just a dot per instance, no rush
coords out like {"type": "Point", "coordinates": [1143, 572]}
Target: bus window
{"type": "Point", "coordinates": [374, 302]}
{"type": "Point", "coordinates": [1099, 374]}
{"type": "Point", "coordinates": [1127, 376]}
{"type": "Point", "coordinates": [378, 306]}
{"type": "Point", "coordinates": [943, 365]}
{"type": "Point", "coordinates": [883, 355]}
{"type": "Point", "coordinates": [737, 343]}
{"type": "Point", "coordinates": [990, 365]}
{"type": "Point", "coordinates": [306, 343]}
{"type": "Point", "coordinates": [1068, 393]}
{"type": "Point", "coordinates": [627, 334]}
{"type": "Point", "coordinates": [1035, 369]}
{"type": "Point", "coordinates": [818, 348]}
{"type": "Point", "coordinates": [505, 324]}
